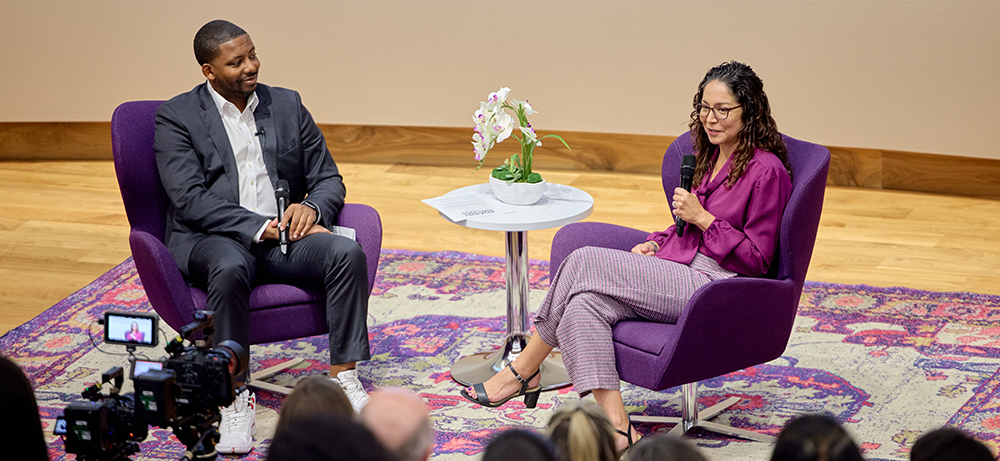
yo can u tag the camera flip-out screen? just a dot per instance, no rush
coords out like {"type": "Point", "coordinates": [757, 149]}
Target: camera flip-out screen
{"type": "Point", "coordinates": [60, 427]}
{"type": "Point", "coordinates": [130, 328]}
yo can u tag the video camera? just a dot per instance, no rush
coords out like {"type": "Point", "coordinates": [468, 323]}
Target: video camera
{"type": "Point", "coordinates": [183, 392]}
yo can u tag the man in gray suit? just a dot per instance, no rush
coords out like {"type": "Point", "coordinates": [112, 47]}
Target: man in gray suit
{"type": "Point", "coordinates": [220, 150]}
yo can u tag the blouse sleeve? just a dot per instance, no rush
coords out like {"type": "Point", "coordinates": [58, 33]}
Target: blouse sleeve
{"type": "Point", "coordinates": [750, 251]}
{"type": "Point", "coordinates": [660, 237]}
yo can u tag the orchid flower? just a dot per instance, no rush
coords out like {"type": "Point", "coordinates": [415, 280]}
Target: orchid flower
{"type": "Point", "coordinates": [495, 101]}
{"type": "Point", "coordinates": [497, 128]}
{"type": "Point", "coordinates": [525, 106]}
{"type": "Point", "coordinates": [529, 135]}
{"type": "Point", "coordinates": [493, 125]}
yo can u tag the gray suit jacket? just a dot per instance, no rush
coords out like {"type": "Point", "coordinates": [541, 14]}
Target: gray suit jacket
{"type": "Point", "coordinates": [198, 168]}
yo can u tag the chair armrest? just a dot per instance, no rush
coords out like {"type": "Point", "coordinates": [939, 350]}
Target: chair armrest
{"type": "Point", "coordinates": [595, 234]}
{"type": "Point", "coordinates": [367, 225]}
{"type": "Point", "coordinates": [166, 289]}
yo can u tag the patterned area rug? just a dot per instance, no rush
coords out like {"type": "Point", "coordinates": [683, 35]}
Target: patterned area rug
{"type": "Point", "coordinates": [891, 363]}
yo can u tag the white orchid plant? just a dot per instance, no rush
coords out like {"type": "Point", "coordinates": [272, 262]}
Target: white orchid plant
{"type": "Point", "coordinates": [494, 124]}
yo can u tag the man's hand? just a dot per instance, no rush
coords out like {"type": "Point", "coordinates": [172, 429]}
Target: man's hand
{"type": "Point", "coordinates": [317, 229]}
{"type": "Point", "coordinates": [300, 221]}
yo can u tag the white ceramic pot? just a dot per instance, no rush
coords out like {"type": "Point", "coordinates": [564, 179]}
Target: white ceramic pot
{"type": "Point", "coordinates": [518, 193]}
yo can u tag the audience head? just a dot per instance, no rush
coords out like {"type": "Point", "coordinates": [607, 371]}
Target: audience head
{"type": "Point", "coordinates": [211, 36]}
{"type": "Point", "coordinates": [663, 447]}
{"type": "Point", "coordinates": [815, 438]}
{"type": "Point", "coordinates": [21, 427]}
{"type": "Point", "coordinates": [327, 437]}
{"type": "Point", "coordinates": [947, 444]}
{"type": "Point", "coordinates": [399, 419]}
{"type": "Point", "coordinates": [315, 395]}
{"type": "Point", "coordinates": [520, 445]}
{"type": "Point", "coordinates": [751, 122]}
{"type": "Point", "coordinates": [582, 432]}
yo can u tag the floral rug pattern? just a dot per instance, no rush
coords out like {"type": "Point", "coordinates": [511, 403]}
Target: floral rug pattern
{"type": "Point", "coordinates": [891, 363]}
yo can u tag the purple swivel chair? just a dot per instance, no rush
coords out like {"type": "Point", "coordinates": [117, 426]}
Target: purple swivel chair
{"type": "Point", "coordinates": [277, 312]}
{"type": "Point", "coordinates": [728, 324]}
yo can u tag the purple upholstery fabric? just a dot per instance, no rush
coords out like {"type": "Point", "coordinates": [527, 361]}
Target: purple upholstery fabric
{"type": "Point", "coordinates": [728, 324]}
{"type": "Point", "coordinates": [277, 312]}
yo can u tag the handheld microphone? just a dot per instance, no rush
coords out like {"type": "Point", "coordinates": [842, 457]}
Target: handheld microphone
{"type": "Point", "coordinates": [687, 174]}
{"type": "Point", "coordinates": [281, 195]}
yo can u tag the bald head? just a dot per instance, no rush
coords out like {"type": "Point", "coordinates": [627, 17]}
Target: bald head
{"type": "Point", "coordinates": [399, 419]}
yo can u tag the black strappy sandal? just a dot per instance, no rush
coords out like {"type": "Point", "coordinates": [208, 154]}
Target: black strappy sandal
{"type": "Point", "coordinates": [530, 394]}
{"type": "Point", "coordinates": [629, 437]}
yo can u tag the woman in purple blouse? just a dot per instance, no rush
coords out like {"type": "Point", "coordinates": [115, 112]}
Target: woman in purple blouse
{"type": "Point", "coordinates": [133, 334]}
{"type": "Point", "coordinates": [741, 184]}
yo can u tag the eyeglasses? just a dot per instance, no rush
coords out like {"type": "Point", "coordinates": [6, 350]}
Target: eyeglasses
{"type": "Point", "coordinates": [721, 113]}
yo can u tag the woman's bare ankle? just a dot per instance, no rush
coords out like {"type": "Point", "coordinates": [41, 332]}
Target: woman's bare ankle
{"type": "Point", "coordinates": [526, 372]}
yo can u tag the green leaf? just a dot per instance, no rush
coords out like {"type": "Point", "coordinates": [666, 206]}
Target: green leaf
{"type": "Point", "coordinates": [503, 175]}
{"type": "Point", "coordinates": [500, 173]}
{"type": "Point", "coordinates": [533, 178]}
{"type": "Point", "coordinates": [557, 137]}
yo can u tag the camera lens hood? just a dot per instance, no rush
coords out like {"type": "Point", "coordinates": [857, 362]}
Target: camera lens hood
{"type": "Point", "coordinates": [238, 356]}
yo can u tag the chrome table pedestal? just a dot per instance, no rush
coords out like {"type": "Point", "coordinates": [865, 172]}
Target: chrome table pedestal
{"type": "Point", "coordinates": [560, 205]}
{"type": "Point", "coordinates": [480, 367]}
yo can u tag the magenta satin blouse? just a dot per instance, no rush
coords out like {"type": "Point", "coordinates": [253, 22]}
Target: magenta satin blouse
{"type": "Point", "coordinates": [747, 218]}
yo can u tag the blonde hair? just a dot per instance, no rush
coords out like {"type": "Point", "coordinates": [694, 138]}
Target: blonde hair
{"type": "Point", "coordinates": [582, 432]}
{"type": "Point", "coordinates": [315, 395]}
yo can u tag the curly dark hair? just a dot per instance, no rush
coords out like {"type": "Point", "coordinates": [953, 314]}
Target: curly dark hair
{"type": "Point", "coordinates": [759, 129]}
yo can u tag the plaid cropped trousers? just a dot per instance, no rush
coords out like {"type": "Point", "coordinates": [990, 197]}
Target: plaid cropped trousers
{"type": "Point", "coordinates": [595, 288]}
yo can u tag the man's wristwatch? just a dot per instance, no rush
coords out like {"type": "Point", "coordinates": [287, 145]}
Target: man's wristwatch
{"type": "Point", "coordinates": [315, 208]}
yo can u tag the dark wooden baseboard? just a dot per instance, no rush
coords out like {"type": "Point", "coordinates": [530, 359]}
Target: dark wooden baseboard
{"type": "Point", "coordinates": [453, 147]}
{"type": "Point", "coordinates": [628, 153]}
{"type": "Point", "coordinates": [55, 141]}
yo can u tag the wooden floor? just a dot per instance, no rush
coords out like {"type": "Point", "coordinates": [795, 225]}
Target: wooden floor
{"type": "Point", "coordinates": [63, 224]}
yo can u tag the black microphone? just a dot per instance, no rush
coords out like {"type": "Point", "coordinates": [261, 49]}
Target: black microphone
{"type": "Point", "coordinates": [687, 174]}
{"type": "Point", "coordinates": [282, 196]}
{"type": "Point", "coordinates": [260, 134]}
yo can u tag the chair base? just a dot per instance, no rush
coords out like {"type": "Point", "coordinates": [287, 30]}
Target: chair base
{"type": "Point", "coordinates": [692, 419]}
{"type": "Point", "coordinates": [255, 378]}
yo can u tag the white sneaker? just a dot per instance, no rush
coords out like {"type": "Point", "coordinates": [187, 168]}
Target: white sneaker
{"type": "Point", "coordinates": [239, 423]}
{"type": "Point", "coordinates": [349, 382]}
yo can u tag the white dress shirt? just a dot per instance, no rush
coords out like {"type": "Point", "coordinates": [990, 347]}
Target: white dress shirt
{"type": "Point", "coordinates": [256, 191]}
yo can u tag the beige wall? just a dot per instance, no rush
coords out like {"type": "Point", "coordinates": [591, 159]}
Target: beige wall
{"type": "Point", "coordinates": [912, 75]}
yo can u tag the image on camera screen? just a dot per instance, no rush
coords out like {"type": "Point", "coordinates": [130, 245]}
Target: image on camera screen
{"type": "Point", "coordinates": [130, 329]}
{"type": "Point", "coordinates": [60, 427]}
{"type": "Point", "coordinates": [142, 366]}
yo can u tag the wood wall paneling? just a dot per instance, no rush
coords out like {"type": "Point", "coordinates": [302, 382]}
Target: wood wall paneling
{"type": "Point", "coordinates": [940, 174]}
{"type": "Point", "coordinates": [855, 167]}
{"type": "Point", "coordinates": [436, 146]}
{"type": "Point", "coordinates": [55, 141]}
{"type": "Point", "coordinates": [591, 152]}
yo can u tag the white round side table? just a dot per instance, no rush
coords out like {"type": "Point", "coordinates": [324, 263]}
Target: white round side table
{"type": "Point", "coordinates": [559, 206]}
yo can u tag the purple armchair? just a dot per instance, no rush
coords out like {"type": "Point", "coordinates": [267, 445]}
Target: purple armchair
{"type": "Point", "coordinates": [277, 312]}
{"type": "Point", "coordinates": [728, 324]}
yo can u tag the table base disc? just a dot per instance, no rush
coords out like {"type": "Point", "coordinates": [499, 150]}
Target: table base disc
{"type": "Point", "coordinates": [480, 367]}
